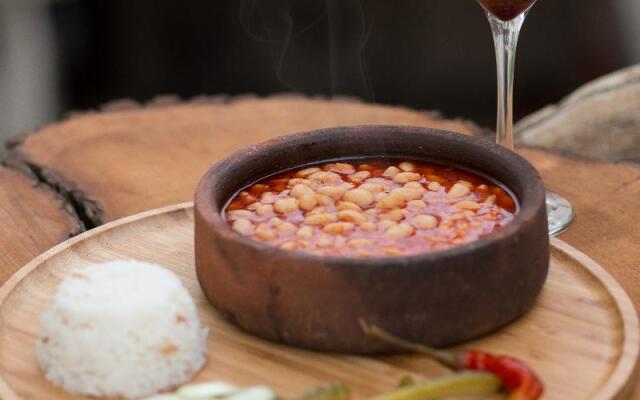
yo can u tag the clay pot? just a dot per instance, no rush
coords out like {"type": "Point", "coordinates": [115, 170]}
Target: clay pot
{"type": "Point", "coordinates": [441, 298]}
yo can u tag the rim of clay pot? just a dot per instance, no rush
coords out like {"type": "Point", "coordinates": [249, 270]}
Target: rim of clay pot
{"type": "Point", "coordinates": [528, 202]}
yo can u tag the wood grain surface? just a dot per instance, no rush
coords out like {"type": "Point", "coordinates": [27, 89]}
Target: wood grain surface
{"type": "Point", "coordinates": [581, 337]}
{"type": "Point", "coordinates": [134, 160]}
{"type": "Point", "coordinates": [32, 219]}
{"type": "Point", "coordinates": [606, 198]}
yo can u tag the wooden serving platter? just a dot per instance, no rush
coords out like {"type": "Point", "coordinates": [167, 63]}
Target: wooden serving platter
{"type": "Point", "coordinates": [581, 337]}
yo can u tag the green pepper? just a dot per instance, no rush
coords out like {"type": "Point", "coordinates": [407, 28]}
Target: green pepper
{"type": "Point", "coordinates": [517, 378]}
{"type": "Point", "coordinates": [456, 384]}
{"type": "Point", "coordinates": [406, 380]}
{"type": "Point", "coordinates": [331, 391]}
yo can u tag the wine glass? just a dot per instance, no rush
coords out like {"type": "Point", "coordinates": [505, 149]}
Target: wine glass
{"type": "Point", "coordinates": [506, 18]}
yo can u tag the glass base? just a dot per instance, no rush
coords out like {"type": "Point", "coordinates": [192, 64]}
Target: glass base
{"type": "Point", "coordinates": [560, 213]}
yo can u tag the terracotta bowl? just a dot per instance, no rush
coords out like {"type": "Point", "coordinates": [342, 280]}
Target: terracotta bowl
{"type": "Point", "coordinates": [315, 302]}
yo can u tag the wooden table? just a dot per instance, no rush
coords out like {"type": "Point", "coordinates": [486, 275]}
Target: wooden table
{"type": "Point", "coordinates": [97, 167]}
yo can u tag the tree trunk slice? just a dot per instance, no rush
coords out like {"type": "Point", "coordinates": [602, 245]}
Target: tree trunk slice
{"type": "Point", "coordinates": [128, 159]}
{"type": "Point", "coordinates": [32, 219]}
{"type": "Point", "coordinates": [124, 161]}
{"type": "Point", "coordinates": [601, 120]}
{"type": "Point", "coordinates": [582, 319]}
{"type": "Point", "coordinates": [121, 162]}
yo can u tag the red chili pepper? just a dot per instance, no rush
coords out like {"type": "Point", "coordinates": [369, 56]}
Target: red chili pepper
{"type": "Point", "coordinates": [516, 377]}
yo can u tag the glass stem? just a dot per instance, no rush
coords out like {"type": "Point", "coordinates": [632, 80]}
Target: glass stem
{"type": "Point", "coordinates": [505, 37]}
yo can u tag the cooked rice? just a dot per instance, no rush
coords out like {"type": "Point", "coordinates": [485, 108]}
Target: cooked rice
{"type": "Point", "coordinates": [123, 328]}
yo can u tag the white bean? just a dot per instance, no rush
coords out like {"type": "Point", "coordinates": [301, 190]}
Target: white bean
{"type": "Point", "coordinates": [341, 168]}
{"type": "Point", "coordinates": [368, 226]}
{"type": "Point", "coordinates": [391, 251]}
{"type": "Point", "coordinates": [286, 227]}
{"type": "Point", "coordinates": [372, 187]}
{"type": "Point", "coordinates": [301, 189]}
{"type": "Point", "coordinates": [317, 210]}
{"type": "Point", "coordinates": [417, 204]}
{"type": "Point", "coordinates": [407, 166]}
{"type": "Point", "coordinates": [334, 192]}
{"type": "Point", "coordinates": [305, 232]}
{"type": "Point", "coordinates": [240, 214]}
{"type": "Point", "coordinates": [265, 234]}
{"type": "Point", "coordinates": [395, 215]}
{"type": "Point", "coordinates": [404, 177]}
{"type": "Point", "coordinates": [264, 210]}
{"type": "Point", "coordinates": [308, 171]}
{"type": "Point", "coordinates": [268, 197]}
{"type": "Point", "coordinates": [347, 205]}
{"type": "Point", "coordinates": [391, 172]}
{"type": "Point", "coordinates": [290, 245]}
{"type": "Point", "coordinates": [331, 177]}
{"type": "Point", "coordinates": [469, 205]}
{"type": "Point", "coordinates": [243, 226]}
{"type": "Point", "coordinates": [275, 221]}
{"type": "Point", "coordinates": [359, 242]}
{"type": "Point", "coordinates": [324, 200]}
{"type": "Point", "coordinates": [360, 197]}
{"type": "Point", "coordinates": [399, 231]}
{"type": "Point", "coordinates": [320, 219]}
{"type": "Point", "coordinates": [317, 175]}
{"type": "Point", "coordinates": [391, 201]}
{"type": "Point", "coordinates": [386, 224]}
{"type": "Point", "coordinates": [424, 221]}
{"type": "Point", "coordinates": [351, 216]}
{"type": "Point", "coordinates": [415, 185]}
{"type": "Point", "coordinates": [406, 193]}
{"type": "Point", "coordinates": [338, 227]}
{"type": "Point", "coordinates": [359, 176]}
{"type": "Point", "coordinates": [458, 190]}
{"type": "Point", "coordinates": [286, 206]}
{"type": "Point", "coordinates": [325, 241]}
{"type": "Point", "coordinates": [307, 201]}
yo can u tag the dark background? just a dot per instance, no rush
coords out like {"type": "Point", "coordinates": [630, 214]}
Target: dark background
{"type": "Point", "coordinates": [427, 54]}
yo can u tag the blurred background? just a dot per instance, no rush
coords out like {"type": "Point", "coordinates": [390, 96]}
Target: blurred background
{"type": "Point", "coordinates": [62, 55]}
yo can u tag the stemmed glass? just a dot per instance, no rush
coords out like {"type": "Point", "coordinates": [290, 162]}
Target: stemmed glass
{"type": "Point", "coordinates": [506, 18]}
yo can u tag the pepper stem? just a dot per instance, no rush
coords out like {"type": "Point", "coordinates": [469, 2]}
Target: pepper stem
{"type": "Point", "coordinates": [446, 358]}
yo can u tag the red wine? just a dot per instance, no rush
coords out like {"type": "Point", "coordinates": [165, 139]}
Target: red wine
{"type": "Point", "coordinates": [506, 9]}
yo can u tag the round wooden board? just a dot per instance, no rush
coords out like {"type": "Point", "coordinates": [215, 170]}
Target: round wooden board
{"type": "Point", "coordinates": [581, 337]}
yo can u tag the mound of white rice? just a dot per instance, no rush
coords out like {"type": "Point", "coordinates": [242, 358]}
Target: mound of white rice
{"type": "Point", "coordinates": [124, 328]}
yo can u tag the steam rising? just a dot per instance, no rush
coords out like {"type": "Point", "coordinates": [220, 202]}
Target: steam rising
{"type": "Point", "coordinates": [317, 46]}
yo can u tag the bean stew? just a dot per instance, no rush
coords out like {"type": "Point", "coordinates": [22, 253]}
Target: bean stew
{"type": "Point", "coordinates": [371, 208]}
